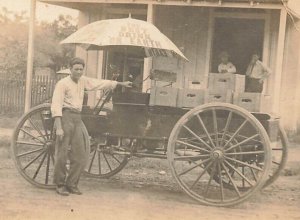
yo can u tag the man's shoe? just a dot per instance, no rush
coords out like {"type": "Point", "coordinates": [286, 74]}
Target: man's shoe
{"type": "Point", "coordinates": [74, 190]}
{"type": "Point", "coordinates": [61, 190]}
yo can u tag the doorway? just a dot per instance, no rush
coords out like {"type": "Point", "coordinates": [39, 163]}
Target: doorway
{"type": "Point", "coordinates": [240, 37]}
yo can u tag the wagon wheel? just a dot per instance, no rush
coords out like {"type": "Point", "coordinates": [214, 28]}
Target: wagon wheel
{"type": "Point", "coordinates": [33, 146]}
{"type": "Point", "coordinates": [219, 153]}
{"type": "Point", "coordinates": [279, 156]}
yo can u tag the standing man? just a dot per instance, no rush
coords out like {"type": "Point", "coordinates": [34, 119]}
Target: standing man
{"type": "Point", "coordinates": [256, 73]}
{"type": "Point", "coordinates": [65, 108]}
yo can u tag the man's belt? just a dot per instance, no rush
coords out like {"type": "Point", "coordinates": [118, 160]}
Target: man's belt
{"type": "Point", "coordinates": [75, 111]}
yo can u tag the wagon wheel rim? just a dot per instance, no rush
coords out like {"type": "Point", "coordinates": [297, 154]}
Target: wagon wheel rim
{"type": "Point", "coordinates": [33, 146]}
{"type": "Point", "coordinates": [105, 160]}
{"type": "Point", "coordinates": [195, 165]}
{"type": "Point", "coordinates": [279, 156]}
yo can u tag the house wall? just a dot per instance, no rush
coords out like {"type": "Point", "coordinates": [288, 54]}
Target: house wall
{"type": "Point", "coordinates": [290, 95]}
{"type": "Point", "coordinates": [188, 28]}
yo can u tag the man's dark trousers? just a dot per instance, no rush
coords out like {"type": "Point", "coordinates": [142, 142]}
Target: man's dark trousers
{"type": "Point", "coordinates": [73, 147]}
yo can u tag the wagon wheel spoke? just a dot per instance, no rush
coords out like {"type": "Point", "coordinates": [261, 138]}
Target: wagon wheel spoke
{"type": "Point", "coordinates": [210, 179]}
{"type": "Point", "coordinates": [109, 161]}
{"type": "Point", "coordinates": [205, 129]}
{"type": "Point", "coordinates": [242, 142]}
{"type": "Point", "coordinates": [44, 126]}
{"type": "Point", "coordinates": [33, 160]}
{"type": "Point", "coordinates": [40, 165]}
{"type": "Point", "coordinates": [92, 160]}
{"type": "Point", "coordinates": [202, 173]}
{"type": "Point", "coordinates": [221, 182]}
{"type": "Point", "coordinates": [99, 162]}
{"type": "Point", "coordinates": [108, 164]}
{"type": "Point", "coordinates": [30, 152]}
{"type": "Point", "coordinates": [31, 135]}
{"type": "Point", "coordinates": [228, 121]}
{"type": "Point", "coordinates": [232, 181]}
{"type": "Point", "coordinates": [243, 163]}
{"type": "Point", "coordinates": [116, 159]}
{"type": "Point", "coordinates": [215, 122]}
{"type": "Point", "coordinates": [192, 146]}
{"type": "Point", "coordinates": [236, 133]}
{"type": "Point", "coordinates": [195, 135]}
{"type": "Point", "coordinates": [193, 167]}
{"type": "Point", "coordinates": [244, 178]}
{"type": "Point", "coordinates": [37, 129]}
{"type": "Point", "coordinates": [47, 169]}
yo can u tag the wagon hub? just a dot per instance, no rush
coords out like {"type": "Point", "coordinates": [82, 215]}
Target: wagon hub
{"type": "Point", "coordinates": [217, 154]}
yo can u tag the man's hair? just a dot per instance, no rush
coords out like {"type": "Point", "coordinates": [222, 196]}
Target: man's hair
{"type": "Point", "coordinates": [76, 60]}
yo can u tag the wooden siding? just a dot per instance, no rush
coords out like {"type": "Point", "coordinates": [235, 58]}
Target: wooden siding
{"type": "Point", "coordinates": [188, 29]}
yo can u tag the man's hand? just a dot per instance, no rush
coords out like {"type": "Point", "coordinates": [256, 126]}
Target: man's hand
{"type": "Point", "coordinates": [59, 134]}
{"type": "Point", "coordinates": [126, 84]}
{"type": "Point", "coordinates": [261, 80]}
{"type": "Point", "coordinates": [58, 128]}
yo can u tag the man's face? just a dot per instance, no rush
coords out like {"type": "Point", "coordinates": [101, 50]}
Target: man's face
{"type": "Point", "coordinates": [76, 72]}
{"type": "Point", "coordinates": [224, 59]}
{"type": "Point", "coordinates": [255, 57]}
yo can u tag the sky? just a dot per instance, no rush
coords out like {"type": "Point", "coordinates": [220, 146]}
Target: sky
{"type": "Point", "coordinates": [44, 12]}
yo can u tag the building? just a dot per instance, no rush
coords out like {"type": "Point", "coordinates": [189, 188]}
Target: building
{"type": "Point", "coordinates": [202, 29]}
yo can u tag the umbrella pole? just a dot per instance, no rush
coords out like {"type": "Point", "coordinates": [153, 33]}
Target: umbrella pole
{"type": "Point", "coordinates": [125, 68]}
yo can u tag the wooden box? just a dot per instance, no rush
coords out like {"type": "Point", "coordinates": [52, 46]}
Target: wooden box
{"type": "Point", "coordinates": [218, 96]}
{"type": "Point", "coordinates": [190, 98]}
{"type": "Point", "coordinates": [226, 81]}
{"type": "Point", "coordinates": [253, 102]}
{"type": "Point", "coordinates": [163, 96]}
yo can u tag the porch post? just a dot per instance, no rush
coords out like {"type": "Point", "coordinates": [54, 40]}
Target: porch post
{"type": "Point", "coordinates": [148, 61]}
{"type": "Point", "coordinates": [279, 62]}
{"type": "Point", "coordinates": [30, 55]}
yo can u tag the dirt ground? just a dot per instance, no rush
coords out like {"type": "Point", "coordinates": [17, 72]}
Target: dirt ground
{"type": "Point", "coordinates": [139, 192]}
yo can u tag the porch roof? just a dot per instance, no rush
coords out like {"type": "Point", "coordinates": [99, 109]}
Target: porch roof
{"type": "Point", "coordinates": [265, 4]}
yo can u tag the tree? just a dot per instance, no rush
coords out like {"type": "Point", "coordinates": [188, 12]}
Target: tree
{"type": "Point", "coordinates": [48, 52]}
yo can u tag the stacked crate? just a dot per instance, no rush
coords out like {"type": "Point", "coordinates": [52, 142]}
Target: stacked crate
{"type": "Point", "coordinates": [222, 86]}
{"type": "Point", "coordinates": [226, 81]}
{"type": "Point", "coordinates": [190, 98]}
{"type": "Point", "coordinates": [163, 96]}
{"type": "Point", "coordinates": [253, 102]}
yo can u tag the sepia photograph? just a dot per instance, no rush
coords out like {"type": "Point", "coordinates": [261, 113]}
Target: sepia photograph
{"type": "Point", "coordinates": [149, 109]}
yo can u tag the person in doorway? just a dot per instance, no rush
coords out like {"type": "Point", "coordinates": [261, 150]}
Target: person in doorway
{"type": "Point", "coordinates": [257, 72]}
{"type": "Point", "coordinates": [65, 108]}
{"type": "Point", "coordinates": [225, 66]}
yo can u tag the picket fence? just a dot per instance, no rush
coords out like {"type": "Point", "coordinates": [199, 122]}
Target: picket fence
{"type": "Point", "coordinates": [12, 93]}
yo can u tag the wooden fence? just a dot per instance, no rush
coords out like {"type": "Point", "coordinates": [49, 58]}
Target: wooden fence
{"type": "Point", "coordinates": [12, 93]}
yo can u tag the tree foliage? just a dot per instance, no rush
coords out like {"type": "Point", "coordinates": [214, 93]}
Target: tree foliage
{"type": "Point", "coordinates": [47, 50]}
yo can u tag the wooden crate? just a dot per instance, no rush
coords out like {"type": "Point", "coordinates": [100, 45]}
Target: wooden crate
{"type": "Point", "coordinates": [226, 81]}
{"type": "Point", "coordinates": [163, 96]}
{"type": "Point", "coordinates": [218, 96]}
{"type": "Point", "coordinates": [253, 102]}
{"type": "Point", "coordinates": [190, 98]}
